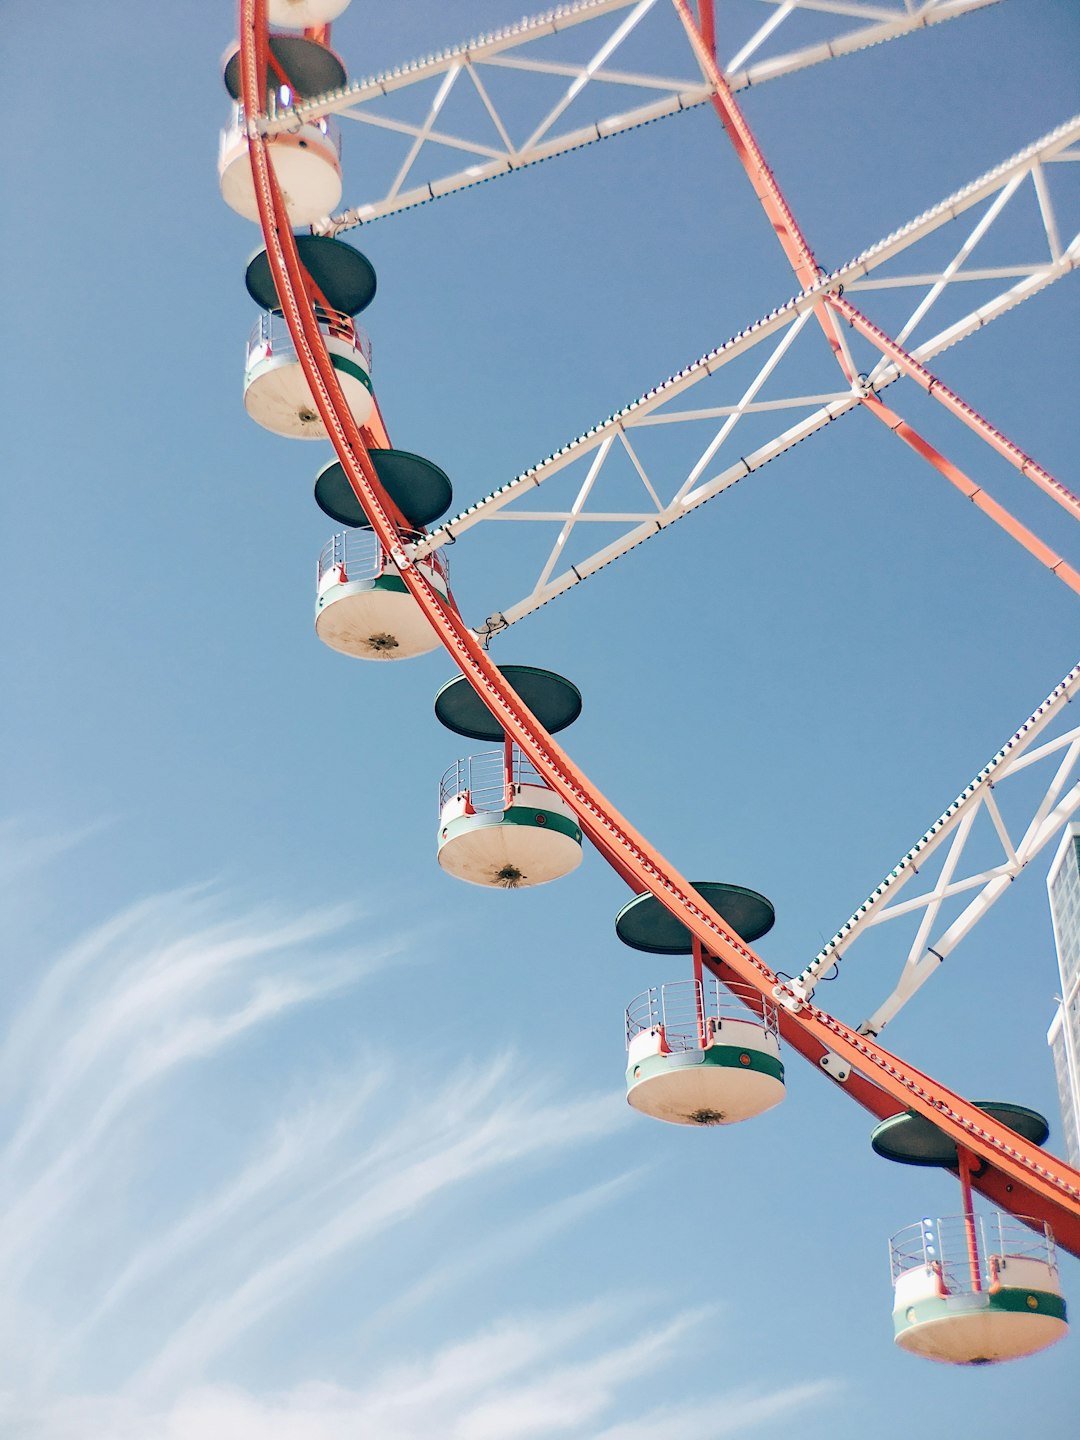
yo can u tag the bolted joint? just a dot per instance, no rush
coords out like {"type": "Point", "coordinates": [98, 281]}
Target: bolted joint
{"type": "Point", "coordinates": [803, 988]}
{"type": "Point", "coordinates": [492, 626]}
{"type": "Point", "coordinates": [783, 995]}
{"type": "Point", "coordinates": [834, 1067]}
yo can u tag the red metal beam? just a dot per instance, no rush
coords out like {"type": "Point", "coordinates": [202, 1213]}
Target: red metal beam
{"type": "Point", "coordinates": [707, 24]}
{"type": "Point", "coordinates": [936, 388]}
{"type": "Point", "coordinates": [975, 493]}
{"type": "Point", "coordinates": [806, 269]}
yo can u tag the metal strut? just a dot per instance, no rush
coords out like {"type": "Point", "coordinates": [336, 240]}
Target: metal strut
{"type": "Point", "coordinates": [486, 149]}
{"type": "Point", "coordinates": [801, 258]}
{"type": "Point", "coordinates": [1014, 1178]}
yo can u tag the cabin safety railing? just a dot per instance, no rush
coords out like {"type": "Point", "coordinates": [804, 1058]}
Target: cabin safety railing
{"type": "Point", "coordinates": [358, 555]}
{"type": "Point", "coordinates": [942, 1246]}
{"type": "Point", "coordinates": [682, 1007]}
{"type": "Point", "coordinates": [270, 335]}
{"type": "Point", "coordinates": [484, 778]}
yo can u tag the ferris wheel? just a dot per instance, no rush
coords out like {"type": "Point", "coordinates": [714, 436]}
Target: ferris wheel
{"type": "Point", "coordinates": [705, 1049]}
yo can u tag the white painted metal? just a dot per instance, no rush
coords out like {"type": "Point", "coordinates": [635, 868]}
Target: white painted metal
{"type": "Point", "coordinates": [1000, 186]}
{"type": "Point", "coordinates": [1057, 801]}
{"type": "Point", "coordinates": [492, 148]}
{"type": "Point", "coordinates": [648, 524]}
{"type": "Point", "coordinates": [681, 1009]}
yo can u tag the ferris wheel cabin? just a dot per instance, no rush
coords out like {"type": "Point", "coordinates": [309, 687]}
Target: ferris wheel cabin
{"type": "Point", "coordinates": [276, 393]}
{"type": "Point", "coordinates": [307, 157]}
{"type": "Point", "coordinates": [700, 1052]}
{"type": "Point", "coordinates": [500, 824]}
{"type": "Point", "coordinates": [362, 606]}
{"type": "Point", "coordinates": [971, 1289]}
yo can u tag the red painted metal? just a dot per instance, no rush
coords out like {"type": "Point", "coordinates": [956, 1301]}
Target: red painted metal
{"type": "Point", "coordinates": [963, 411]}
{"type": "Point", "coordinates": [508, 771]}
{"type": "Point", "coordinates": [707, 24]}
{"type": "Point", "coordinates": [279, 71]}
{"type": "Point", "coordinates": [699, 978]}
{"type": "Point", "coordinates": [965, 1165]}
{"type": "Point", "coordinates": [975, 493]}
{"type": "Point", "coordinates": [375, 434]}
{"type": "Point", "coordinates": [807, 271]}
{"type": "Point", "coordinates": [859, 1087]}
{"type": "Point", "coordinates": [1038, 1184]}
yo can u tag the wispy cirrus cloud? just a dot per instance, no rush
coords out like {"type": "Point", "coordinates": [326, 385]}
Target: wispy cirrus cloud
{"type": "Point", "coordinates": [26, 847]}
{"type": "Point", "coordinates": [511, 1241]}
{"type": "Point", "coordinates": [456, 1136]}
{"type": "Point", "coordinates": [119, 1013]}
{"type": "Point", "coordinates": [243, 1206]}
{"type": "Point", "coordinates": [98, 1060]}
{"type": "Point", "coordinates": [141, 1272]}
{"type": "Point", "coordinates": [513, 1380]}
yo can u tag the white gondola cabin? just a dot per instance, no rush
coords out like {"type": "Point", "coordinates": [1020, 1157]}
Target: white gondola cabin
{"type": "Point", "coordinates": [362, 606]}
{"type": "Point", "coordinates": [303, 14]}
{"type": "Point", "coordinates": [276, 393]}
{"type": "Point", "coordinates": [974, 1290]}
{"type": "Point", "coordinates": [970, 1289]}
{"type": "Point", "coordinates": [500, 824]}
{"type": "Point", "coordinates": [701, 1053]}
{"type": "Point", "coordinates": [306, 156]}
{"type": "Point", "coordinates": [307, 164]}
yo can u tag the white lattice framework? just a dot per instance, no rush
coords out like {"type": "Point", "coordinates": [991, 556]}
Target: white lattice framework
{"type": "Point", "coordinates": [1047, 810]}
{"type": "Point", "coordinates": [665, 500]}
{"type": "Point", "coordinates": [496, 142]}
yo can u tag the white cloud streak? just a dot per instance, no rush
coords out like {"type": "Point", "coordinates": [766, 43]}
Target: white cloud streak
{"type": "Point", "coordinates": [152, 1006]}
{"type": "Point", "coordinates": [460, 1392]}
{"type": "Point", "coordinates": [133, 1011]}
{"type": "Point", "coordinates": [239, 1207]}
{"type": "Point", "coordinates": [509, 1243]}
{"type": "Point", "coordinates": [444, 1153]}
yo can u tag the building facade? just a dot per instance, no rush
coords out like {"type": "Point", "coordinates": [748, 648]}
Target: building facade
{"type": "Point", "coordinates": [1063, 1037]}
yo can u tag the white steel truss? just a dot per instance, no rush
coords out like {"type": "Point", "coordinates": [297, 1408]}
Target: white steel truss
{"type": "Point", "coordinates": [498, 142]}
{"type": "Point", "coordinates": [1045, 816]}
{"type": "Point", "coordinates": [614, 436]}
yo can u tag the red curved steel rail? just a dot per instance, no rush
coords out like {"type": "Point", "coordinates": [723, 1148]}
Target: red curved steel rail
{"type": "Point", "coordinates": [1017, 1176]}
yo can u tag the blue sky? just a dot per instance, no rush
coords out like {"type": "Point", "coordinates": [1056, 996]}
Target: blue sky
{"type": "Point", "coordinates": [303, 1138]}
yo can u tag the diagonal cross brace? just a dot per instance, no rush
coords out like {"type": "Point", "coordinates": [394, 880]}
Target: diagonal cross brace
{"type": "Point", "coordinates": [801, 258]}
